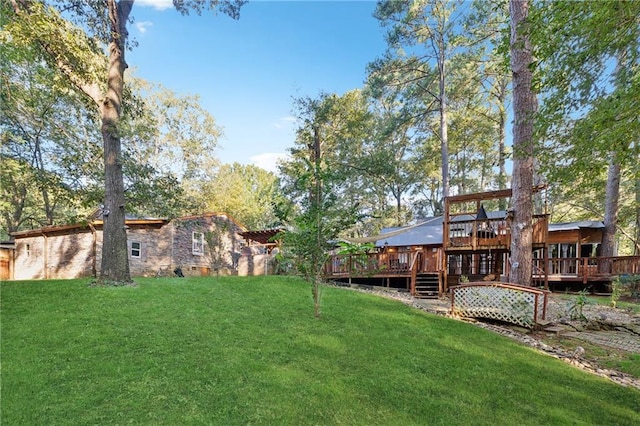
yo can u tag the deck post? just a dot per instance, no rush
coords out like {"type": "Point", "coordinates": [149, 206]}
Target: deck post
{"type": "Point", "coordinates": [412, 282]}
{"type": "Point", "coordinates": [545, 267]}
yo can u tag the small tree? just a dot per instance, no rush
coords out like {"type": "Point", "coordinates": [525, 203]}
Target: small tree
{"type": "Point", "coordinates": [315, 179]}
{"type": "Point", "coordinates": [308, 253]}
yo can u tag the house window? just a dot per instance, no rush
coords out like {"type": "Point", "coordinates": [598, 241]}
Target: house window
{"type": "Point", "coordinates": [28, 250]}
{"type": "Point", "coordinates": [197, 243]}
{"type": "Point", "coordinates": [136, 249]}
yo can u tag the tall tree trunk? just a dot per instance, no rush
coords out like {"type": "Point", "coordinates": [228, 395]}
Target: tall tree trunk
{"type": "Point", "coordinates": [316, 207]}
{"type": "Point", "coordinates": [115, 259]}
{"type": "Point", "coordinates": [612, 193]}
{"type": "Point", "coordinates": [42, 180]}
{"type": "Point", "coordinates": [611, 208]}
{"type": "Point", "coordinates": [525, 105]}
{"type": "Point", "coordinates": [502, 153]}
{"type": "Point", "coordinates": [444, 137]}
{"type": "Point", "coordinates": [636, 243]}
{"type": "Point", "coordinates": [398, 196]}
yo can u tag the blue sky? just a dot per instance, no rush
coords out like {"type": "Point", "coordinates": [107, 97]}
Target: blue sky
{"type": "Point", "coordinates": [247, 72]}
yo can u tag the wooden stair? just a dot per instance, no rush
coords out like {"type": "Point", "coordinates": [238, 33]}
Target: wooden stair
{"type": "Point", "coordinates": [427, 286]}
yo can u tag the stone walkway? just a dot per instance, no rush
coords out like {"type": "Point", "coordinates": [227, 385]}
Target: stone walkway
{"type": "Point", "coordinates": [617, 339]}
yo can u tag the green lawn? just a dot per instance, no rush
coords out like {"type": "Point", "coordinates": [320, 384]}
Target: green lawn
{"type": "Point", "coordinates": [248, 350]}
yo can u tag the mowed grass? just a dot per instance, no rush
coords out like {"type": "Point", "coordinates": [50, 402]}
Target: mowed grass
{"type": "Point", "coordinates": [248, 350]}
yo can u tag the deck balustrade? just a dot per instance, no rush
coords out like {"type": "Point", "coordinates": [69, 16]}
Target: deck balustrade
{"type": "Point", "coordinates": [368, 264]}
{"type": "Point", "coordinates": [586, 268]}
{"type": "Point", "coordinates": [489, 233]}
{"type": "Point", "coordinates": [372, 264]}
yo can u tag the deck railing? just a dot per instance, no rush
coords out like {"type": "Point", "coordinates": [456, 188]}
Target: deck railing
{"type": "Point", "coordinates": [589, 267]}
{"type": "Point", "coordinates": [368, 264]}
{"type": "Point", "coordinates": [490, 232]}
{"type": "Point", "coordinates": [407, 263]}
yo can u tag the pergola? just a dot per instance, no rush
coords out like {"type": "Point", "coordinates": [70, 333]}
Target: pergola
{"type": "Point", "coordinates": [265, 237]}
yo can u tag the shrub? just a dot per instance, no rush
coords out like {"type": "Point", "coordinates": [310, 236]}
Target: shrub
{"type": "Point", "coordinates": [625, 286]}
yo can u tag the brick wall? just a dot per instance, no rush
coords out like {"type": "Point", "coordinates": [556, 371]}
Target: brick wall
{"type": "Point", "coordinates": [54, 256]}
{"type": "Point", "coordinates": [29, 260]}
{"type": "Point", "coordinates": [78, 252]}
{"type": "Point", "coordinates": [256, 264]}
{"type": "Point", "coordinates": [202, 264]}
{"type": "Point", "coordinates": [154, 254]}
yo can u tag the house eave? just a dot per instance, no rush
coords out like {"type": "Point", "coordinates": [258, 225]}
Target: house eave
{"type": "Point", "coordinates": [49, 230]}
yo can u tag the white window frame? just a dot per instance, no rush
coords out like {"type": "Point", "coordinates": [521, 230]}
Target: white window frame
{"type": "Point", "coordinates": [197, 243]}
{"type": "Point", "coordinates": [139, 250]}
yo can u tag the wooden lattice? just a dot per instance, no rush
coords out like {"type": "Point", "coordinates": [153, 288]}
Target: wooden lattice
{"type": "Point", "coordinates": [511, 303]}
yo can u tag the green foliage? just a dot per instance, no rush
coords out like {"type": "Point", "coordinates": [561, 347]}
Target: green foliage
{"type": "Point", "coordinates": [54, 135]}
{"type": "Point", "coordinates": [40, 27]}
{"type": "Point", "coordinates": [358, 256]}
{"type": "Point", "coordinates": [170, 146]}
{"type": "Point", "coordinates": [577, 303]}
{"type": "Point", "coordinates": [48, 130]}
{"type": "Point", "coordinates": [215, 236]}
{"type": "Point", "coordinates": [240, 350]}
{"type": "Point", "coordinates": [77, 50]}
{"type": "Point", "coordinates": [446, 84]}
{"type": "Point", "coordinates": [306, 248]}
{"type": "Point", "coordinates": [627, 286]}
{"type": "Point", "coordinates": [588, 77]}
{"type": "Point", "coordinates": [345, 247]}
{"type": "Point", "coordinates": [316, 179]}
{"type": "Point", "coordinates": [18, 197]}
{"type": "Point", "coordinates": [616, 292]}
{"type": "Point", "coordinates": [246, 192]}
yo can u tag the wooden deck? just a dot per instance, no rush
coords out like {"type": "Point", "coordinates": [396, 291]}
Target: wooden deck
{"type": "Point", "coordinates": [422, 275]}
{"type": "Point", "coordinates": [476, 245]}
{"type": "Point", "coordinates": [488, 234]}
{"type": "Point", "coordinates": [395, 264]}
{"type": "Point", "coordinates": [412, 265]}
{"type": "Point", "coordinates": [586, 269]}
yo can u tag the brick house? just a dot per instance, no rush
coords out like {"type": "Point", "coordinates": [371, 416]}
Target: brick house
{"type": "Point", "coordinates": [199, 245]}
